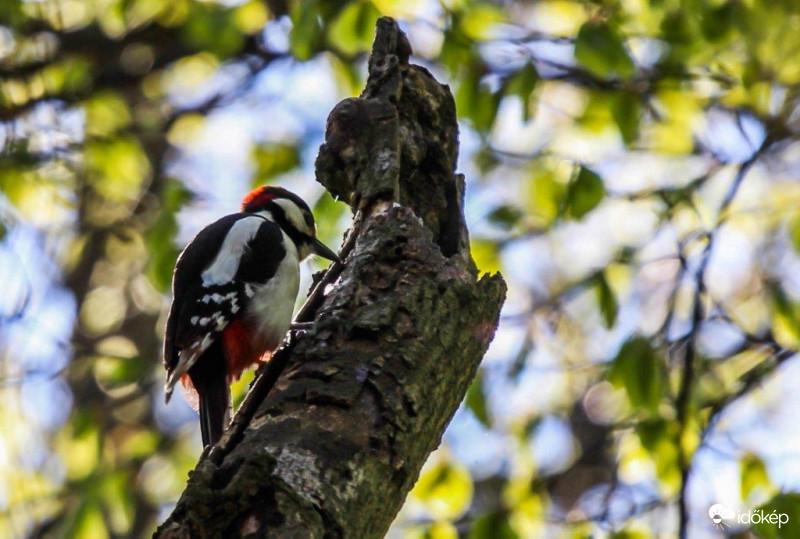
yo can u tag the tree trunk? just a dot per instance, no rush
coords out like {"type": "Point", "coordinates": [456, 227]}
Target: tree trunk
{"type": "Point", "coordinates": [397, 337]}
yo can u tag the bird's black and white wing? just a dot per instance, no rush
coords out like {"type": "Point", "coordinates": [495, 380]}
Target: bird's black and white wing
{"type": "Point", "coordinates": [215, 279]}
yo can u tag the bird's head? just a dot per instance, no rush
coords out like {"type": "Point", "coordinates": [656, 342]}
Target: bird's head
{"type": "Point", "coordinates": [292, 214]}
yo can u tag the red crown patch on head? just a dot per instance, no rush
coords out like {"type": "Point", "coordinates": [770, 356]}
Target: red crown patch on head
{"type": "Point", "coordinates": [258, 198]}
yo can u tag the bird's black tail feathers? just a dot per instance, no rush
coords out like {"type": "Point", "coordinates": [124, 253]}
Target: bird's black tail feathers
{"type": "Point", "coordinates": [211, 382]}
{"type": "Point", "coordinates": [214, 414]}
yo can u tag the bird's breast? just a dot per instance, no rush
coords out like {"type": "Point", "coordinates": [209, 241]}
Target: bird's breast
{"type": "Point", "coordinates": [272, 303]}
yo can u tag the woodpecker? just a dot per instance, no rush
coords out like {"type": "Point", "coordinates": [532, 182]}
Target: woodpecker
{"type": "Point", "coordinates": [234, 289]}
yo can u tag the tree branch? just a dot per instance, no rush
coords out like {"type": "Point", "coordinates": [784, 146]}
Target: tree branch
{"type": "Point", "coordinates": [683, 400]}
{"type": "Point", "coordinates": [398, 332]}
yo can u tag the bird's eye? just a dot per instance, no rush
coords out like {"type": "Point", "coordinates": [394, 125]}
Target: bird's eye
{"type": "Point", "coordinates": [309, 219]}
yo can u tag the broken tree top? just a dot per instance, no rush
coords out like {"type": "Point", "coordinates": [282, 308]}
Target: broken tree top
{"type": "Point", "coordinates": [398, 142]}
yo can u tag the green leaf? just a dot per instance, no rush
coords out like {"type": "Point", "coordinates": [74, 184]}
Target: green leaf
{"type": "Point", "coordinates": [273, 160]}
{"type": "Point", "coordinates": [11, 13]}
{"type": "Point", "coordinates": [305, 39]}
{"type": "Point", "coordinates": [786, 508]}
{"type": "Point", "coordinates": [117, 168]}
{"type": "Point", "coordinates": [794, 225]}
{"type": "Point", "coordinates": [439, 530]}
{"type": "Point", "coordinates": [79, 446]}
{"type": "Point", "coordinates": [630, 534]}
{"type": "Point", "coordinates": [753, 475]}
{"type": "Point", "coordinates": [485, 159]}
{"type": "Point", "coordinates": [351, 31]}
{"type": "Point", "coordinates": [474, 100]}
{"type": "Point", "coordinates": [658, 438]}
{"type": "Point", "coordinates": [676, 30]}
{"type": "Point", "coordinates": [492, 526]}
{"type": "Point", "coordinates": [347, 75]}
{"type": "Point", "coordinates": [584, 193]}
{"type": "Point", "coordinates": [506, 217]}
{"type": "Point", "coordinates": [477, 21]}
{"type": "Point", "coordinates": [118, 502]}
{"type": "Point", "coordinates": [89, 523]}
{"type": "Point", "coordinates": [476, 400]}
{"type": "Point", "coordinates": [785, 317]}
{"type": "Point", "coordinates": [139, 444]}
{"type": "Point", "coordinates": [607, 301]}
{"type": "Point", "coordinates": [160, 237]}
{"type": "Point", "coordinates": [601, 50]}
{"type": "Point", "coordinates": [445, 489]}
{"type": "Point", "coordinates": [72, 75]}
{"type": "Point", "coordinates": [115, 373]}
{"type": "Point", "coordinates": [457, 49]}
{"type": "Point", "coordinates": [106, 113]}
{"type": "Point", "coordinates": [212, 28]}
{"type": "Point", "coordinates": [627, 113]}
{"type": "Point", "coordinates": [486, 254]}
{"type": "Point", "coordinates": [716, 23]}
{"type": "Point", "coordinates": [522, 84]}
{"type": "Point", "coordinates": [639, 372]}
{"type": "Point", "coordinates": [327, 213]}
{"type": "Point", "coordinates": [546, 192]}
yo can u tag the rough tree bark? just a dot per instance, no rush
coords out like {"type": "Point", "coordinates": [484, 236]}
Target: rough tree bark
{"type": "Point", "coordinates": [397, 337]}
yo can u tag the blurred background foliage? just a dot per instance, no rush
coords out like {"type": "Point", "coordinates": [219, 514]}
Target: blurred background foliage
{"type": "Point", "coordinates": [631, 168]}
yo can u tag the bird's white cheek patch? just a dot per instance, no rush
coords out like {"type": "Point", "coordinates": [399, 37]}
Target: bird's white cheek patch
{"type": "Point", "coordinates": [293, 214]}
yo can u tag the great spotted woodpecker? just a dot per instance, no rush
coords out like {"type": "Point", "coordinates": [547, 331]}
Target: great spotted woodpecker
{"type": "Point", "coordinates": [234, 289]}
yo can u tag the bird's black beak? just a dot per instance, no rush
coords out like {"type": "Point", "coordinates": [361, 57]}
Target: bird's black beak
{"type": "Point", "coordinates": [322, 250]}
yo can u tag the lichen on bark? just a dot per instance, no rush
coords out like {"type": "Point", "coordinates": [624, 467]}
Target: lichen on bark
{"type": "Point", "coordinates": [335, 447]}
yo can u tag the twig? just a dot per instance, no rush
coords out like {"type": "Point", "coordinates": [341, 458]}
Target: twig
{"type": "Point", "coordinates": [683, 399]}
{"type": "Point", "coordinates": [749, 382]}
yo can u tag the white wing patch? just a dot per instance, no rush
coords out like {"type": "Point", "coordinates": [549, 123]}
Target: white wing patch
{"type": "Point", "coordinates": [210, 325]}
{"type": "Point", "coordinates": [224, 267]}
